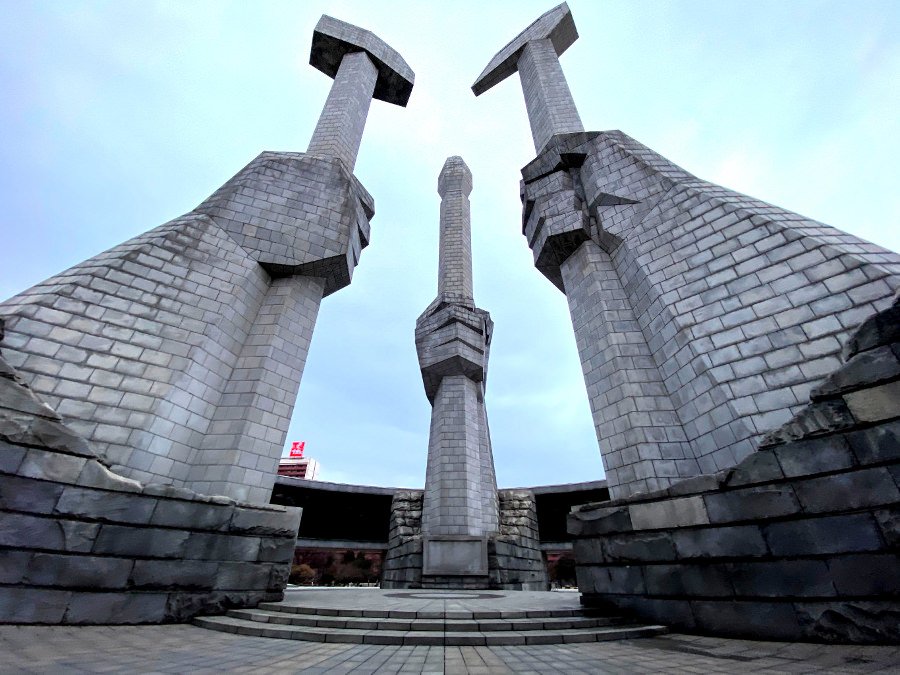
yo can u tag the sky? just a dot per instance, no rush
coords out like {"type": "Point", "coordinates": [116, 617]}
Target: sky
{"type": "Point", "coordinates": [118, 116]}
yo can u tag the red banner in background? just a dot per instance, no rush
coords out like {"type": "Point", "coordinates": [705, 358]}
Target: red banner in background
{"type": "Point", "coordinates": [297, 448]}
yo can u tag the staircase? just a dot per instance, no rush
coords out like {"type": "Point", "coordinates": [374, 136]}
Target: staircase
{"type": "Point", "coordinates": [429, 627]}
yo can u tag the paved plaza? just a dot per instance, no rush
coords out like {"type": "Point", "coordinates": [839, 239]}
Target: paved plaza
{"type": "Point", "coordinates": [184, 648]}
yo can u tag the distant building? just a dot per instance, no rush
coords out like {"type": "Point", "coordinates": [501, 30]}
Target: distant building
{"type": "Point", "coordinates": [304, 467]}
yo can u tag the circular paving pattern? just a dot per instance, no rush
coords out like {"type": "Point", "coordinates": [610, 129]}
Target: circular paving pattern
{"type": "Point", "coordinates": [444, 595]}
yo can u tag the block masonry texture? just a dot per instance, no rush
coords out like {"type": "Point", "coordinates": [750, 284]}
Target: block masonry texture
{"type": "Point", "coordinates": [178, 354]}
{"type": "Point", "coordinates": [556, 25]}
{"type": "Point", "coordinates": [534, 54]}
{"type": "Point", "coordinates": [702, 317]}
{"type": "Point", "coordinates": [334, 39]}
{"type": "Point", "coordinates": [453, 341]}
{"type": "Point", "coordinates": [80, 544]}
{"type": "Point", "coordinates": [799, 541]}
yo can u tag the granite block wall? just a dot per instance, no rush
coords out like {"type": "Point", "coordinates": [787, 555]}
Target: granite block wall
{"type": "Point", "coordinates": [719, 311]}
{"type": "Point", "coordinates": [179, 353]}
{"type": "Point", "coordinates": [515, 561]}
{"type": "Point", "coordinates": [82, 544]}
{"type": "Point", "coordinates": [797, 541]}
{"type": "Point", "coordinates": [702, 317]}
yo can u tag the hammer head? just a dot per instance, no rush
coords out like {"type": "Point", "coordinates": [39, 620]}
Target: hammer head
{"type": "Point", "coordinates": [332, 39]}
{"type": "Point", "coordinates": [557, 25]}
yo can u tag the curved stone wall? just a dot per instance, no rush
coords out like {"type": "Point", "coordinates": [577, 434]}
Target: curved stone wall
{"type": "Point", "coordinates": [80, 544]}
{"type": "Point", "coordinates": [801, 540]}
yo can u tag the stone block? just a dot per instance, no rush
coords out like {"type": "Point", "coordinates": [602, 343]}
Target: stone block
{"type": "Point", "coordinates": [173, 574]}
{"type": "Point", "coordinates": [191, 515]}
{"type": "Point", "coordinates": [889, 523]}
{"type": "Point", "coordinates": [74, 571]}
{"type": "Point", "coordinates": [876, 331]}
{"type": "Point", "coordinates": [33, 605]}
{"type": "Point", "coordinates": [78, 537]}
{"type": "Point", "coordinates": [142, 542]}
{"type": "Point", "coordinates": [25, 531]}
{"type": "Point", "coordinates": [876, 444]}
{"type": "Point", "coordinates": [590, 521]}
{"type": "Point", "coordinates": [812, 457]}
{"type": "Point", "coordinates": [625, 579]}
{"type": "Point", "coordinates": [639, 547]}
{"type": "Point", "coordinates": [876, 403]}
{"type": "Point", "coordinates": [768, 620]}
{"type": "Point", "coordinates": [242, 576]}
{"type": "Point", "coordinates": [781, 578]}
{"type": "Point", "coordinates": [11, 457]}
{"type": "Point", "coordinates": [275, 549]}
{"type": "Point", "coordinates": [456, 556]}
{"type": "Point", "coordinates": [756, 503]}
{"type": "Point", "coordinates": [866, 574]}
{"type": "Point", "coordinates": [86, 503]}
{"type": "Point", "coordinates": [29, 495]}
{"type": "Point", "coordinates": [871, 367]}
{"type": "Point", "coordinates": [39, 431]}
{"type": "Point", "coordinates": [690, 580]}
{"type": "Point", "coordinates": [206, 546]}
{"type": "Point", "coordinates": [278, 577]}
{"type": "Point", "coordinates": [696, 484]}
{"type": "Point", "coordinates": [119, 608]}
{"type": "Point", "coordinates": [819, 536]}
{"type": "Point", "coordinates": [95, 475]}
{"type": "Point", "coordinates": [719, 542]}
{"type": "Point", "coordinates": [816, 419]}
{"type": "Point", "coordinates": [51, 466]}
{"type": "Point", "coordinates": [281, 521]}
{"type": "Point", "coordinates": [669, 513]}
{"type": "Point", "coordinates": [13, 565]}
{"type": "Point", "coordinates": [760, 467]}
{"type": "Point", "coordinates": [846, 491]}
{"type": "Point", "coordinates": [854, 621]}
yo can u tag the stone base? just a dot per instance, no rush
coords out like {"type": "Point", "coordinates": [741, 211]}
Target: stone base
{"type": "Point", "coordinates": [461, 583]}
{"type": "Point", "coordinates": [800, 541]}
{"type": "Point", "coordinates": [455, 556]}
{"type": "Point", "coordinates": [80, 544]}
{"type": "Point", "coordinates": [514, 558]}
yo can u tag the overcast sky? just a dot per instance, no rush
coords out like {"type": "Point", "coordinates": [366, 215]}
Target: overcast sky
{"type": "Point", "coordinates": [118, 116]}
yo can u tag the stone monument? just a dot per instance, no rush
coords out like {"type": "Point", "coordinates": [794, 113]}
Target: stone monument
{"type": "Point", "coordinates": [178, 354]}
{"type": "Point", "coordinates": [702, 317]}
{"type": "Point", "coordinates": [460, 538]}
{"type": "Point", "coordinates": [743, 368]}
{"type": "Point", "coordinates": [145, 394]}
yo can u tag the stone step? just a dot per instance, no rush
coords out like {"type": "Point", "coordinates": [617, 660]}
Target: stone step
{"type": "Point", "coordinates": [435, 614]}
{"type": "Point", "coordinates": [242, 626]}
{"type": "Point", "coordinates": [424, 624]}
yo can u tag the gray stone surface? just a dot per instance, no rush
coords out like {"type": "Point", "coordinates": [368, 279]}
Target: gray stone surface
{"type": "Point", "coordinates": [334, 39]}
{"type": "Point", "coordinates": [192, 649]}
{"type": "Point", "coordinates": [79, 544]}
{"type": "Point", "coordinates": [534, 54]}
{"type": "Point", "coordinates": [703, 318]}
{"type": "Point", "coordinates": [178, 354]}
{"type": "Point", "coordinates": [453, 340]}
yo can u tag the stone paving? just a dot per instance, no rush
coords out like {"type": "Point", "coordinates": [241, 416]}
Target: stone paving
{"type": "Point", "coordinates": [183, 648]}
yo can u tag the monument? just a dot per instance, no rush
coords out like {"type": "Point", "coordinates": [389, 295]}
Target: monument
{"type": "Point", "coordinates": [702, 317]}
{"type": "Point", "coordinates": [178, 354]}
{"type": "Point", "coordinates": [460, 537]}
{"type": "Point", "coordinates": [705, 321]}
{"type": "Point", "coordinates": [146, 393]}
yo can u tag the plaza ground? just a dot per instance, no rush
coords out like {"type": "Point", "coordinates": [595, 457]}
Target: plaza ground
{"type": "Point", "coordinates": [184, 648]}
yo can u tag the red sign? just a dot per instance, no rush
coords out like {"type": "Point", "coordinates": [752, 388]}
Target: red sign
{"type": "Point", "coordinates": [297, 448]}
